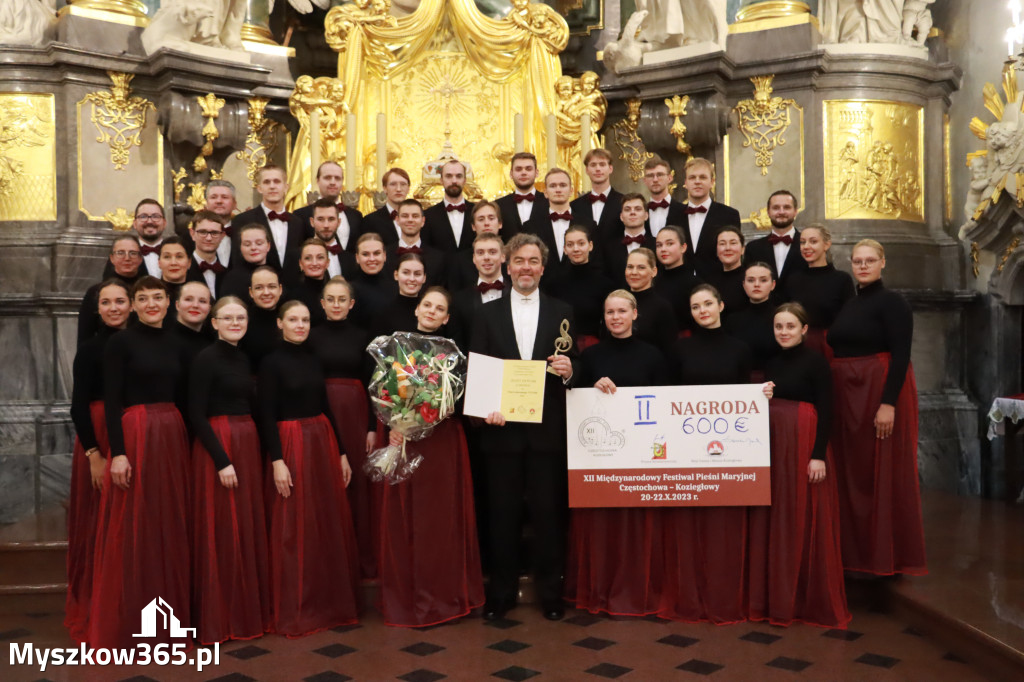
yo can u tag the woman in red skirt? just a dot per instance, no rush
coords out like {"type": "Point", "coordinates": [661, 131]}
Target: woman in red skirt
{"type": "Point", "coordinates": [820, 289]}
{"type": "Point", "coordinates": [313, 554]}
{"type": "Point", "coordinates": [874, 433]}
{"type": "Point", "coordinates": [796, 567]}
{"type": "Point", "coordinates": [341, 347]}
{"type": "Point", "coordinates": [430, 558]}
{"type": "Point", "coordinates": [616, 560]}
{"type": "Point", "coordinates": [142, 563]}
{"type": "Point", "coordinates": [91, 450]}
{"type": "Point", "coordinates": [230, 589]}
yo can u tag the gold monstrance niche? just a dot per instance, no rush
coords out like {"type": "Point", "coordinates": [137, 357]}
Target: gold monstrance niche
{"type": "Point", "coordinates": [443, 82]}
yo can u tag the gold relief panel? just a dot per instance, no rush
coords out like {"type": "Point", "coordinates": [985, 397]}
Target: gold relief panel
{"type": "Point", "coordinates": [120, 152]}
{"type": "Point", "coordinates": [28, 188]}
{"type": "Point", "coordinates": [874, 160]}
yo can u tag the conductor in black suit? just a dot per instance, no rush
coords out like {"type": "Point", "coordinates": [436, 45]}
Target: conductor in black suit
{"type": "Point", "coordinates": [448, 222]}
{"type": "Point", "coordinates": [662, 209]}
{"type": "Point", "coordinates": [704, 217]}
{"type": "Point", "coordinates": [330, 180]}
{"type": "Point", "coordinates": [383, 221]}
{"type": "Point", "coordinates": [526, 460]}
{"type": "Point", "coordinates": [781, 248]}
{"type": "Point", "coordinates": [526, 203]}
{"type": "Point", "coordinates": [286, 231]}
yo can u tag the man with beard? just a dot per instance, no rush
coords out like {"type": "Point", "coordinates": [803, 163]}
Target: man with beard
{"type": "Point", "coordinates": [149, 224]}
{"type": "Point", "coordinates": [662, 209]}
{"type": "Point", "coordinates": [330, 180]}
{"type": "Point", "coordinates": [448, 222]}
{"type": "Point", "coordinates": [331, 227]}
{"type": "Point", "coordinates": [435, 261]}
{"type": "Point", "coordinates": [781, 248]}
{"type": "Point", "coordinates": [526, 203]}
{"type": "Point", "coordinates": [384, 221]}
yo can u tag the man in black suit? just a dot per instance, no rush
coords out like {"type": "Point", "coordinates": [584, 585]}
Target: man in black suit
{"type": "Point", "coordinates": [149, 225]}
{"type": "Point", "coordinates": [526, 460]}
{"type": "Point", "coordinates": [383, 221]}
{"type": "Point", "coordinates": [330, 180]}
{"type": "Point", "coordinates": [525, 203]}
{"type": "Point", "coordinates": [485, 218]}
{"type": "Point", "coordinates": [551, 228]}
{"type": "Point", "coordinates": [207, 232]}
{"type": "Point", "coordinates": [635, 234]}
{"type": "Point", "coordinates": [220, 199]}
{"type": "Point", "coordinates": [781, 248]}
{"type": "Point", "coordinates": [410, 220]}
{"type": "Point", "coordinates": [599, 208]}
{"type": "Point", "coordinates": [286, 230]}
{"type": "Point", "coordinates": [326, 223]}
{"type": "Point", "coordinates": [488, 284]}
{"type": "Point", "coordinates": [662, 209]}
{"type": "Point", "coordinates": [704, 217]}
{"type": "Point", "coordinates": [447, 222]}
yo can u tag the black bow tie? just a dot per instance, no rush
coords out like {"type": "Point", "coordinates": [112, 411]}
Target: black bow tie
{"type": "Point", "coordinates": [283, 215]}
{"type": "Point", "coordinates": [335, 248]}
{"type": "Point", "coordinates": [484, 287]}
{"type": "Point", "coordinates": [657, 204]}
{"type": "Point", "coordinates": [690, 210]}
{"type": "Point", "coordinates": [215, 266]}
{"type": "Point", "coordinates": [402, 250]}
{"type": "Point", "coordinates": [638, 239]}
{"type": "Point", "coordinates": [594, 198]}
{"type": "Point", "coordinates": [774, 239]}
{"type": "Point", "coordinates": [561, 216]}
{"type": "Point", "coordinates": [461, 208]}
{"type": "Point", "coordinates": [520, 198]}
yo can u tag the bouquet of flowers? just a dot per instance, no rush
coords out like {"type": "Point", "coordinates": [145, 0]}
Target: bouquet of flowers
{"type": "Point", "coordinates": [414, 388]}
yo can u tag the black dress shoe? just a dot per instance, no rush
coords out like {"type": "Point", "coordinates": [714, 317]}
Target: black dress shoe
{"type": "Point", "coordinates": [495, 610]}
{"type": "Point", "coordinates": [554, 611]}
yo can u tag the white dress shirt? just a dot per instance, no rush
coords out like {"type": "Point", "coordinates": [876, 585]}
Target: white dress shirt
{"type": "Point", "coordinates": [560, 227]}
{"type": "Point", "coordinates": [344, 230]}
{"type": "Point", "coordinates": [782, 250]}
{"type": "Point", "coordinates": [525, 208]}
{"type": "Point", "coordinates": [279, 231]}
{"type": "Point", "coordinates": [455, 218]}
{"type": "Point", "coordinates": [697, 221]}
{"type": "Point", "coordinates": [209, 276]}
{"type": "Point", "coordinates": [597, 207]}
{"type": "Point", "coordinates": [490, 295]}
{"type": "Point", "coordinates": [525, 314]}
{"type": "Point", "coordinates": [224, 250]}
{"type": "Point", "coordinates": [334, 262]}
{"type": "Point", "coordinates": [658, 217]}
{"type": "Point", "coordinates": [152, 260]}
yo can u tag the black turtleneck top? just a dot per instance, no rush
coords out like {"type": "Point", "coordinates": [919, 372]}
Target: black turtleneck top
{"type": "Point", "coordinates": [192, 341]}
{"type": "Point", "coordinates": [584, 288]}
{"type": "Point", "coordinates": [802, 374]}
{"type": "Point", "coordinates": [237, 279]}
{"type": "Point", "coordinates": [730, 286]}
{"type": "Point", "coordinates": [876, 320]}
{"type": "Point", "coordinates": [373, 293]}
{"type": "Point", "coordinates": [398, 316]}
{"type": "Point", "coordinates": [87, 373]}
{"type": "Point", "coordinates": [291, 386]}
{"type": "Point", "coordinates": [141, 365]}
{"type": "Point", "coordinates": [89, 321]}
{"type": "Point", "coordinates": [822, 291]}
{"type": "Point", "coordinates": [309, 291]}
{"type": "Point", "coordinates": [220, 383]}
{"type": "Point", "coordinates": [711, 356]}
{"type": "Point", "coordinates": [262, 336]}
{"type": "Point", "coordinates": [675, 286]}
{"type": "Point", "coordinates": [627, 362]}
{"type": "Point", "coordinates": [755, 326]}
{"type": "Point", "coordinates": [341, 347]}
{"type": "Point", "coordinates": [655, 320]}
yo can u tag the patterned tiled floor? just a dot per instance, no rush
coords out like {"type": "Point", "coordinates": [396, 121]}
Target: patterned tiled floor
{"type": "Point", "coordinates": [525, 646]}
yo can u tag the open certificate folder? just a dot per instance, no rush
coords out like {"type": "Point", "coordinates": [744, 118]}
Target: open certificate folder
{"type": "Point", "coordinates": [513, 387]}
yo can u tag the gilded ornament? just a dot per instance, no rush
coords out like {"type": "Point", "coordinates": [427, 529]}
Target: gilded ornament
{"type": "Point", "coordinates": [760, 219]}
{"type": "Point", "coordinates": [677, 109]}
{"type": "Point", "coordinates": [764, 121]}
{"type": "Point", "coordinates": [874, 160]}
{"type": "Point", "coordinates": [211, 106]}
{"type": "Point", "coordinates": [27, 163]}
{"type": "Point", "coordinates": [993, 102]}
{"type": "Point", "coordinates": [1010, 248]}
{"type": "Point", "coordinates": [575, 97]}
{"type": "Point", "coordinates": [326, 96]}
{"type": "Point", "coordinates": [178, 177]}
{"type": "Point", "coordinates": [974, 259]}
{"type": "Point", "coordinates": [631, 147]}
{"type": "Point", "coordinates": [197, 195]}
{"type": "Point", "coordinates": [119, 117]}
{"type": "Point", "coordinates": [121, 220]}
{"type": "Point", "coordinates": [979, 128]}
{"type": "Point", "coordinates": [342, 20]}
{"type": "Point", "coordinates": [261, 141]}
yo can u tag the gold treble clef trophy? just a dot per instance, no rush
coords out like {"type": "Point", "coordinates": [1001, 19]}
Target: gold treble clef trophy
{"type": "Point", "coordinates": [563, 343]}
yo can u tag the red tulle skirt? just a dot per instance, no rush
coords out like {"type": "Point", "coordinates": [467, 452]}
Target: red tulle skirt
{"type": "Point", "coordinates": [347, 398]}
{"type": "Point", "coordinates": [879, 496]}
{"type": "Point", "coordinates": [796, 566]}
{"type": "Point", "coordinates": [616, 560]}
{"type": "Point", "coordinates": [313, 562]}
{"type": "Point", "coordinates": [817, 340]}
{"type": "Point", "coordinates": [585, 341]}
{"type": "Point", "coordinates": [142, 563]}
{"type": "Point", "coordinates": [230, 566]}
{"type": "Point", "coordinates": [430, 559]}
{"type": "Point", "coordinates": [83, 512]}
{"type": "Point", "coordinates": [705, 564]}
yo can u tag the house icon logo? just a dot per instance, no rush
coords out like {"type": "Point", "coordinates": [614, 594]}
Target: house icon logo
{"type": "Point", "coordinates": [157, 615]}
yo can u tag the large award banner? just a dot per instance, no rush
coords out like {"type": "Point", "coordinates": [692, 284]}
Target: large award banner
{"type": "Point", "coordinates": [668, 446]}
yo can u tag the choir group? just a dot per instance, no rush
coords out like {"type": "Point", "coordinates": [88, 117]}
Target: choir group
{"type": "Point", "coordinates": [223, 421]}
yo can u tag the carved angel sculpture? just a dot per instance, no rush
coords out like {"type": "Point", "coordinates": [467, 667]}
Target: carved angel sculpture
{"type": "Point", "coordinates": [672, 23]}
{"type": "Point", "coordinates": [24, 22]}
{"type": "Point", "coordinates": [627, 51]}
{"type": "Point", "coordinates": [542, 21]}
